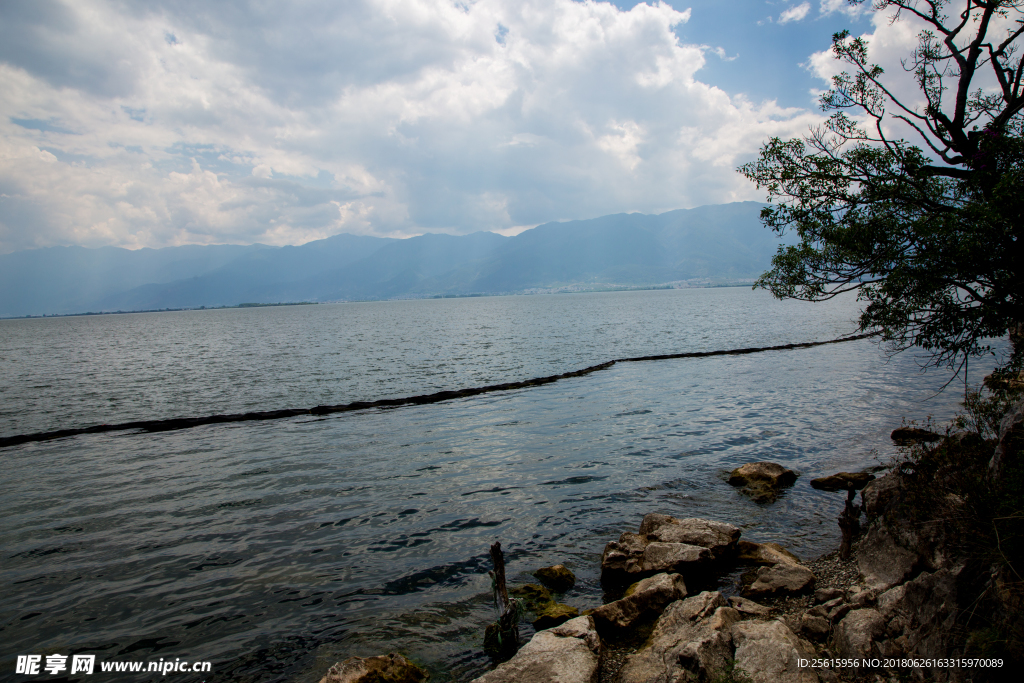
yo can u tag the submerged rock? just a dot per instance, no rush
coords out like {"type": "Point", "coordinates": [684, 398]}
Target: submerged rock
{"type": "Point", "coordinates": [842, 481]}
{"type": "Point", "coordinates": [554, 614]}
{"type": "Point", "coordinates": [648, 598]}
{"type": "Point", "coordinates": [557, 577]}
{"type": "Point", "coordinates": [569, 653]}
{"type": "Point", "coordinates": [762, 481]}
{"type": "Point", "coordinates": [393, 668]}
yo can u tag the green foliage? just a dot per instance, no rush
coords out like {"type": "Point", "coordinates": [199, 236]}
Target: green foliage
{"type": "Point", "coordinates": [933, 238]}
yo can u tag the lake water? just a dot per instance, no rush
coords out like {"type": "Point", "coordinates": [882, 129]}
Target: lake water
{"type": "Point", "coordinates": [274, 549]}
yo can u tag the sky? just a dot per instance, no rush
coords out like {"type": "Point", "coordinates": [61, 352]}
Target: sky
{"type": "Point", "coordinates": [178, 122]}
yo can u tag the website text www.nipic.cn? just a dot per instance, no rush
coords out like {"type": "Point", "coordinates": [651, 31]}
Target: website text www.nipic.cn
{"type": "Point", "coordinates": [33, 665]}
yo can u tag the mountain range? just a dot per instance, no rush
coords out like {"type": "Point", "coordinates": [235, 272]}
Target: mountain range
{"type": "Point", "coordinates": [723, 242]}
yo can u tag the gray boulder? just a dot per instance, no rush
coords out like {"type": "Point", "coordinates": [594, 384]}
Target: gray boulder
{"type": "Point", "coordinates": [569, 653]}
{"type": "Point", "coordinates": [691, 641]}
{"type": "Point", "coordinates": [393, 667]}
{"type": "Point", "coordinates": [764, 554]}
{"type": "Point", "coordinates": [646, 599]}
{"type": "Point", "coordinates": [769, 652]}
{"type": "Point", "coordinates": [749, 607]}
{"type": "Point", "coordinates": [762, 481]}
{"type": "Point", "coordinates": [718, 537]}
{"type": "Point", "coordinates": [920, 616]}
{"type": "Point", "coordinates": [857, 632]}
{"type": "Point", "coordinates": [633, 557]}
{"type": "Point", "coordinates": [882, 562]}
{"type": "Point", "coordinates": [780, 579]}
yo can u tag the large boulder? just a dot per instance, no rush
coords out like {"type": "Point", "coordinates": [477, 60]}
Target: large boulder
{"type": "Point", "coordinates": [718, 537]}
{"type": "Point", "coordinates": [920, 616]}
{"type": "Point", "coordinates": [764, 554]}
{"type": "Point", "coordinates": [769, 652]}
{"type": "Point", "coordinates": [569, 653]}
{"type": "Point", "coordinates": [762, 481]}
{"type": "Point", "coordinates": [557, 577]}
{"type": "Point", "coordinates": [780, 579]}
{"type": "Point", "coordinates": [880, 494]}
{"type": "Point", "coordinates": [646, 599]}
{"type": "Point", "coordinates": [393, 668]}
{"type": "Point", "coordinates": [665, 544]}
{"type": "Point", "coordinates": [691, 640]}
{"type": "Point", "coordinates": [884, 563]}
{"type": "Point", "coordinates": [857, 632]}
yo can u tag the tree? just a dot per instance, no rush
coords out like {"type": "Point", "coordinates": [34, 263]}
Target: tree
{"type": "Point", "coordinates": [930, 234]}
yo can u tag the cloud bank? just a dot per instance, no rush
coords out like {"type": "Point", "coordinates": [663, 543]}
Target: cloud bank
{"type": "Point", "coordinates": [198, 123]}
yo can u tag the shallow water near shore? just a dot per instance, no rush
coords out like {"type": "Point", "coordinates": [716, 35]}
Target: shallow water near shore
{"type": "Point", "coordinates": [274, 549]}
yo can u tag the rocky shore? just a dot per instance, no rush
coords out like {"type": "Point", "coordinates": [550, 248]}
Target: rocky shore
{"type": "Point", "coordinates": [891, 606]}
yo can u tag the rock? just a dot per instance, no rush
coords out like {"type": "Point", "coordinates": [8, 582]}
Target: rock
{"type": "Point", "coordinates": [883, 563]}
{"type": "Point", "coordinates": [558, 578]}
{"type": "Point", "coordinates": [768, 652]}
{"type": "Point", "coordinates": [880, 493]}
{"type": "Point", "coordinates": [674, 557]}
{"type": "Point", "coordinates": [393, 668]}
{"type": "Point", "coordinates": [826, 594]}
{"type": "Point", "coordinates": [718, 537]}
{"type": "Point", "coordinates": [649, 597]}
{"type": "Point", "coordinates": [764, 553]}
{"type": "Point", "coordinates": [838, 612]}
{"type": "Point", "coordinates": [632, 558]}
{"type": "Point", "coordinates": [920, 616]}
{"type": "Point", "coordinates": [842, 481]}
{"type": "Point", "coordinates": [745, 606]}
{"type": "Point", "coordinates": [780, 579]}
{"type": "Point", "coordinates": [666, 544]}
{"type": "Point", "coordinates": [816, 627]}
{"type": "Point", "coordinates": [534, 597]}
{"type": "Point", "coordinates": [762, 480]}
{"type": "Point", "coordinates": [622, 560]}
{"type": "Point", "coordinates": [690, 641]}
{"type": "Point", "coordinates": [905, 436]}
{"type": "Point", "coordinates": [553, 615]}
{"type": "Point", "coordinates": [857, 631]}
{"type": "Point", "coordinates": [1011, 441]}
{"type": "Point", "coordinates": [569, 653]}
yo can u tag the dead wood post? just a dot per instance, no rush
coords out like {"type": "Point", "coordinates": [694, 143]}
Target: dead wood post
{"type": "Point", "coordinates": [849, 523]}
{"type": "Point", "coordinates": [501, 639]}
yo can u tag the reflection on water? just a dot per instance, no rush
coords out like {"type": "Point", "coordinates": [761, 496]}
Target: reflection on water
{"type": "Point", "coordinates": [275, 549]}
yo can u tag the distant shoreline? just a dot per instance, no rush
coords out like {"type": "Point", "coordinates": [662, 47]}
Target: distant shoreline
{"type": "Point", "coordinates": [568, 289]}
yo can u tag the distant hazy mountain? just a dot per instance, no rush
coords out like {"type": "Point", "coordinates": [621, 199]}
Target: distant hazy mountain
{"type": "Point", "coordinates": [722, 242]}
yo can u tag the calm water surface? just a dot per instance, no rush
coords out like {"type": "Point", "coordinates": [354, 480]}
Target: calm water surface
{"type": "Point", "coordinates": [275, 549]}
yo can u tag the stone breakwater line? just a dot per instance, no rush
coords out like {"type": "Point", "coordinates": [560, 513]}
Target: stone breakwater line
{"type": "Point", "coordinates": [422, 399]}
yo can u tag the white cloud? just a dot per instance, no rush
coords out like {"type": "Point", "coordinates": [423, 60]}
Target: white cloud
{"type": "Point", "coordinates": [795, 13]}
{"type": "Point", "coordinates": [205, 123]}
{"type": "Point", "coordinates": [844, 7]}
